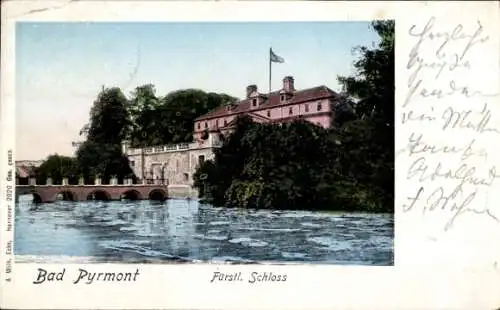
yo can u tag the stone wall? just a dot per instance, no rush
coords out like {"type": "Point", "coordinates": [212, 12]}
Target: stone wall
{"type": "Point", "coordinates": [175, 166]}
{"type": "Point", "coordinates": [180, 191]}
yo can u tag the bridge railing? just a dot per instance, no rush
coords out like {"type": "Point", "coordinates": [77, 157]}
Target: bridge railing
{"type": "Point", "coordinates": [97, 181]}
{"type": "Point", "coordinates": [172, 147]}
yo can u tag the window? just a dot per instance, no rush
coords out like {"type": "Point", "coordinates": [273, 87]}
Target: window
{"type": "Point", "coordinates": [201, 159]}
{"type": "Point", "coordinates": [306, 107]}
{"type": "Point", "coordinates": [268, 113]}
{"type": "Point", "coordinates": [282, 98]}
{"type": "Point", "coordinates": [319, 106]}
{"type": "Point", "coordinates": [254, 102]}
{"type": "Point", "coordinates": [186, 177]}
{"type": "Point", "coordinates": [205, 135]}
{"type": "Point", "coordinates": [132, 163]}
{"type": "Point", "coordinates": [199, 126]}
{"type": "Point", "coordinates": [225, 122]}
{"type": "Point", "coordinates": [216, 123]}
{"type": "Point", "coordinates": [290, 111]}
{"type": "Point", "coordinates": [206, 125]}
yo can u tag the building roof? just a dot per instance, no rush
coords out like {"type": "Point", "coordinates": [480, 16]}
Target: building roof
{"type": "Point", "coordinates": [272, 100]}
{"type": "Point", "coordinates": [35, 163]}
{"type": "Point", "coordinates": [25, 171]}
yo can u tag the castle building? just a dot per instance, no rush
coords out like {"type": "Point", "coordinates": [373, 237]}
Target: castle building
{"type": "Point", "coordinates": [25, 169]}
{"type": "Point", "coordinates": [315, 105]}
{"type": "Point", "coordinates": [176, 164]}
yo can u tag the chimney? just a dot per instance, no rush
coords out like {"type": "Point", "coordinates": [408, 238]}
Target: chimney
{"type": "Point", "coordinates": [250, 89]}
{"type": "Point", "coordinates": [288, 84]}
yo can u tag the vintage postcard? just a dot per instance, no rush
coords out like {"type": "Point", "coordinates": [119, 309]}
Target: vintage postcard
{"type": "Point", "coordinates": [249, 155]}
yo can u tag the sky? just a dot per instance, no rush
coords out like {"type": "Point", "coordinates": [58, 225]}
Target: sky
{"type": "Point", "coordinates": [61, 67]}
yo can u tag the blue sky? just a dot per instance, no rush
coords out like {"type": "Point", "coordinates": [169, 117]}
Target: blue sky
{"type": "Point", "coordinates": [60, 67]}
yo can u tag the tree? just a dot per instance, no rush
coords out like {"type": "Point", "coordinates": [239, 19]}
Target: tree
{"type": "Point", "coordinates": [169, 119]}
{"type": "Point", "coordinates": [101, 153]}
{"type": "Point", "coordinates": [373, 82]}
{"type": "Point", "coordinates": [344, 110]}
{"type": "Point", "coordinates": [102, 159]}
{"type": "Point", "coordinates": [180, 108]}
{"type": "Point", "coordinates": [57, 167]}
{"type": "Point", "coordinates": [227, 164]}
{"type": "Point", "coordinates": [109, 118]}
{"type": "Point", "coordinates": [371, 138]}
{"type": "Point", "coordinates": [144, 118]}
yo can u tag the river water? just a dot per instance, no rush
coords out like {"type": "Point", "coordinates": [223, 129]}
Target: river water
{"type": "Point", "coordinates": [181, 230]}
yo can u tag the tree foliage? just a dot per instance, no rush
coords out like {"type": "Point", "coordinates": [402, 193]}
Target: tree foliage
{"type": "Point", "coordinates": [110, 123]}
{"type": "Point", "coordinates": [373, 82]}
{"type": "Point", "coordinates": [144, 116]}
{"type": "Point", "coordinates": [373, 132]}
{"type": "Point", "coordinates": [291, 166]}
{"type": "Point", "coordinates": [170, 119]}
{"type": "Point", "coordinates": [109, 118]}
{"type": "Point", "coordinates": [57, 167]}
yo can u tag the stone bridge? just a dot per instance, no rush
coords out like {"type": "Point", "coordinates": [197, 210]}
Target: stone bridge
{"type": "Point", "coordinates": [50, 193]}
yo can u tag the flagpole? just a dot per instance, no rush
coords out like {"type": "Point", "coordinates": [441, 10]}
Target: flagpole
{"type": "Point", "coordinates": [269, 71]}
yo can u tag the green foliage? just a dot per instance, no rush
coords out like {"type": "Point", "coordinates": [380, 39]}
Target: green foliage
{"type": "Point", "coordinates": [291, 166]}
{"type": "Point", "coordinates": [170, 119]}
{"type": "Point", "coordinates": [373, 82]}
{"type": "Point", "coordinates": [144, 116]}
{"type": "Point", "coordinates": [102, 159]}
{"type": "Point", "coordinates": [57, 167]}
{"type": "Point", "coordinates": [109, 118]}
{"type": "Point", "coordinates": [110, 123]}
{"type": "Point", "coordinates": [370, 140]}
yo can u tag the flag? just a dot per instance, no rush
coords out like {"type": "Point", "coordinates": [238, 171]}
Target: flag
{"type": "Point", "coordinates": [276, 58]}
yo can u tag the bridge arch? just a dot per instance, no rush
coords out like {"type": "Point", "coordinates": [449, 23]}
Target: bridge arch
{"type": "Point", "coordinates": [131, 194]}
{"type": "Point", "coordinates": [157, 194]}
{"type": "Point", "coordinates": [66, 195]}
{"type": "Point", "coordinates": [99, 194]}
{"type": "Point", "coordinates": [37, 198]}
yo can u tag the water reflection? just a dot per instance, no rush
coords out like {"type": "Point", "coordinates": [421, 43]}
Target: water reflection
{"type": "Point", "coordinates": [185, 230]}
